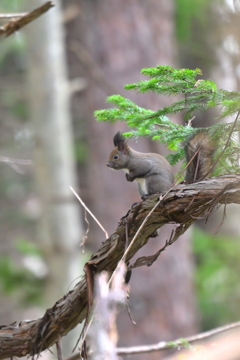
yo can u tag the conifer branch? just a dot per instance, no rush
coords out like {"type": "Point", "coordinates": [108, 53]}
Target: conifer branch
{"type": "Point", "coordinates": [193, 95]}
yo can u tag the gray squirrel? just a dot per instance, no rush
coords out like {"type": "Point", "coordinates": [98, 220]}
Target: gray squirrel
{"type": "Point", "coordinates": [152, 171]}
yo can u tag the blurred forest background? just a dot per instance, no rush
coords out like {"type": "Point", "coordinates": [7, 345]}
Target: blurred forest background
{"type": "Point", "coordinates": [53, 75]}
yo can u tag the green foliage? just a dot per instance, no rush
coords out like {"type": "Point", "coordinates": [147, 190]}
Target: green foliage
{"type": "Point", "coordinates": [10, 6]}
{"type": "Point", "coordinates": [194, 94]}
{"type": "Point", "coordinates": [186, 12]}
{"type": "Point", "coordinates": [11, 49]}
{"type": "Point", "coordinates": [19, 281]}
{"type": "Point", "coordinates": [217, 277]}
{"type": "Point", "coordinates": [20, 109]}
{"type": "Point", "coordinates": [27, 247]}
{"type": "Point", "coordinates": [198, 27]}
{"type": "Point", "coordinates": [179, 344]}
{"type": "Point", "coordinates": [81, 152]}
{"type": "Point", "coordinates": [166, 80]}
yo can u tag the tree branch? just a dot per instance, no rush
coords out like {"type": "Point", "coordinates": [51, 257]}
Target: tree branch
{"type": "Point", "coordinates": [163, 345]}
{"type": "Point", "coordinates": [182, 206]}
{"type": "Point", "coordinates": [24, 19]}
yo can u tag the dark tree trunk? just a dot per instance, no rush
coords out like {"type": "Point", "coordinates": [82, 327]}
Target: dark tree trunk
{"type": "Point", "coordinates": [109, 43]}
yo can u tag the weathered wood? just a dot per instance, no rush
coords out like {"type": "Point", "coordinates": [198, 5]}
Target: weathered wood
{"type": "Point", "coordinates": [182, 206]}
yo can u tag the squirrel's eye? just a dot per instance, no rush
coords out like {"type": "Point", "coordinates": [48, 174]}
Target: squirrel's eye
{"type": "Point", "coordinates": [115, 157]}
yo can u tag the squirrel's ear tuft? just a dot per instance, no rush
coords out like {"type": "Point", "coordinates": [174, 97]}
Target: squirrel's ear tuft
{"type": "Point", "coordinates": [118, 138]}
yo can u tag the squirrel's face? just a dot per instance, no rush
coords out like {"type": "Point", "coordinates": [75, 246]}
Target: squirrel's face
{"type": "Point", "coordinates": [117, 160]}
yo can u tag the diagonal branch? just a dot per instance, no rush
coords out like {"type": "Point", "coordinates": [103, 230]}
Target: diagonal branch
{"type": "Point", "coordinates": [14, 25]}
{"type": "Point", "coordinates": [181, 206]}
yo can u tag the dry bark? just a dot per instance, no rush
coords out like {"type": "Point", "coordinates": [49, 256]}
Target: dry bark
{"type": "Point", "coordinates": [182, 206]}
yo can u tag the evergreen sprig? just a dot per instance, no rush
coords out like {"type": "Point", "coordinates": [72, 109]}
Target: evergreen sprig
{"type": "Point", "coordinates": [193, 95]}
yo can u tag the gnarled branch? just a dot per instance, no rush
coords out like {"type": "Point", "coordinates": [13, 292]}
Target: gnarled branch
{"type": "Point", "coordinates": [182, 206]}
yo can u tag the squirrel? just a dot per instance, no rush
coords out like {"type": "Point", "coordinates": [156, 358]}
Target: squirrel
{"type": "Point", "coordinates": [202, 162]}
{"type": "Point", "coordinates": [152, 171]}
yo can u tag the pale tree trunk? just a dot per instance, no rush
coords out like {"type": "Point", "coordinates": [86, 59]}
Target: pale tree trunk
{"type": "Point", "coordinates": [115, 39]}
{"type": "Point", "coordinates": [59, 230]}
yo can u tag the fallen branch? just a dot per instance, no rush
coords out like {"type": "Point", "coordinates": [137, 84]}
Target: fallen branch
{"type": "Point", "coordinates": [182, 206]}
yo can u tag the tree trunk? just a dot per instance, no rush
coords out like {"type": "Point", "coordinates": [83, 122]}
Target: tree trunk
{"type": "Point", "coordinates": [60, 223]}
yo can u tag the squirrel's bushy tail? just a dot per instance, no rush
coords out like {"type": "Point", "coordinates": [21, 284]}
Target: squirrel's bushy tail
{"type": "Point", "coordinates": [204, 146]}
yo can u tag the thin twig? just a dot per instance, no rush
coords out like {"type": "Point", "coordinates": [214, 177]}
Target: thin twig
{"type": "Point", "coordinates": [85, 236]}
{"type": "Point", "coordinates": [189, 123]}
{"type": "Point", "coordinates": [12, 16]}
{"type": "Point", "coordinates": [126, 234]}
{"type": "Point", "coordinates": [13, 163]}
{"type": "Point", "coordinates": [89, 211]}
{"type": "Point", "coordinates": [59, 348]}
{"type": "Point", "coordinates": [166, 345]}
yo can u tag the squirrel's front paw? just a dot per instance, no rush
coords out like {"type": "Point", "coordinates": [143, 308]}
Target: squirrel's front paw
{"type": "Point", "coordinates": [128, 177]}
